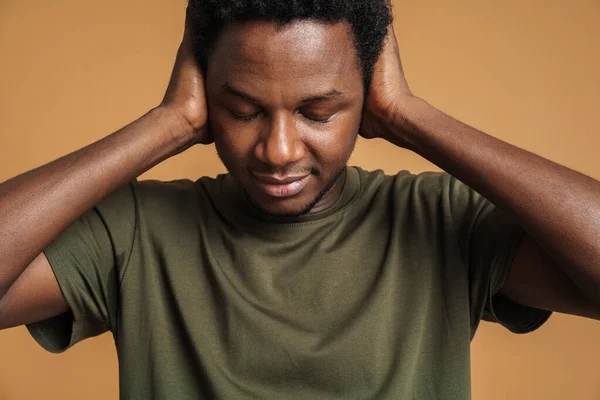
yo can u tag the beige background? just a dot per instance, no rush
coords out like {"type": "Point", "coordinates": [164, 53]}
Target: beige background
{"type": "Point", "coordinates": [526, 71]}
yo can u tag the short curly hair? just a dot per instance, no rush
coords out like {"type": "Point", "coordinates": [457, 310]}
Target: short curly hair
{"type": "Point", "coordinates": [368, 19]}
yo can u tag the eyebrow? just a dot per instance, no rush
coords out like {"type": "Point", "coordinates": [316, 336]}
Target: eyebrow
{"type": "Point", "coordinates": [334, 94]}
{"type": "Point", "coordinates": [228, 89]}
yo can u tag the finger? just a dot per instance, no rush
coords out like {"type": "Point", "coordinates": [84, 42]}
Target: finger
{"type": "Point", "coordinates": [187, 42]}
{"type": "Point", "coordinates": [187, 32]}
{"type": "Point", "coordinates": [391, 39]}
{"type": "Point", "coordinates": [391, 33]}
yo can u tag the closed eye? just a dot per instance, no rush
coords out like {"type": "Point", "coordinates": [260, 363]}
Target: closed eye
{"type": "Point", "coordinates": [314, 120]}
{"type": "Point", "coordinates": [250, 117]}
{"type": "Point", "coordinates": [245, 117]}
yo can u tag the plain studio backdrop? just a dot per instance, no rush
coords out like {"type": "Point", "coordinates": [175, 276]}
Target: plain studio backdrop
{"type": "Point", "coordinates": [525, 71]}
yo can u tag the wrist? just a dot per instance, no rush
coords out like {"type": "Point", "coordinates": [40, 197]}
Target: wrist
{"type": "Point", "coordinates": [180, 132]}
{"type": "Point", "coordinates": [404, 115]}
{"type": "Point", "coordinates": [409, 121]}
{"type": "Point", "coordinates": [398, 124]}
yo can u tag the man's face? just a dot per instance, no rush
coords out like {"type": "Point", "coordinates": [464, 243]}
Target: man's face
{"type": "Point", "coordinates": [285, 107]}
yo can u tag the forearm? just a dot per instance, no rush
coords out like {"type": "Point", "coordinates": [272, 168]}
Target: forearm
{"type": "Point", "coordinates": [37, 206]}
{"type": "Point", "coordinates": [558, 207]}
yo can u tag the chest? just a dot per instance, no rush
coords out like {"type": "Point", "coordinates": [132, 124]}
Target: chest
{"type": "Point", "coordinates": [316, 316]}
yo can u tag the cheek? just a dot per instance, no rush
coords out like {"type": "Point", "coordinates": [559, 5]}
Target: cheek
{"type": "Point", "coordinates": [234, 143]}
{"type": "Point", "coordinates": [333, 144]}
{"type": "Point", "coordinates": [231, 140]}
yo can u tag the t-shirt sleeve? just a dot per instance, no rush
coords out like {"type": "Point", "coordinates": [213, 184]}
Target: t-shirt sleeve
{"type": "Point", "coordinates": [88, 260]}
{"type": "Point", "coordinates": [488, 240]}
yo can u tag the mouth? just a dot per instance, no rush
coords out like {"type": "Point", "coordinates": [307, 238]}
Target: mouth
{"type": "Point", "coordinates": [281, 187]}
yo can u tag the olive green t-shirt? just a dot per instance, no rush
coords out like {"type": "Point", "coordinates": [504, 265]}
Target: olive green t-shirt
{"type": "Point", "coordinates": [375, 298]}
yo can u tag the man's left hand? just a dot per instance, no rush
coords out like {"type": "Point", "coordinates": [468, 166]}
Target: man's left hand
{"type": "Point", "coordinates": [389, 96]}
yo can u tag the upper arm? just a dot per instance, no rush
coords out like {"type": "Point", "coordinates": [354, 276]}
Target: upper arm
{"type": "Point", "coordinates": [35, 296]}
{"type": "Point", "coordinates": [70, 292]}
{"type": "Point", "coordinates": [535, 280]}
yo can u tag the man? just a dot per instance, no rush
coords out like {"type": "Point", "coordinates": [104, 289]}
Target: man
{"type": "Point", "coordinates": [294, 276]}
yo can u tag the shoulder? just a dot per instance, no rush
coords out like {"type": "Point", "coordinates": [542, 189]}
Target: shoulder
{"type": "Point", "coordinates": [173, 191]}
{"type": "Point", "coordinates": [172, 197]}
{"type": "Point", "coordinates": [156, 188]}
{"type": "Point", "coordinates": [407, 184]}
{"type": "Point", "coordinates": [417, 199]}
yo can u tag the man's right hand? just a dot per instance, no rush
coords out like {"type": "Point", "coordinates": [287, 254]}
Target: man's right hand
{"type": "Point", "coordinates": [186, 95]}
{"type": "Point", "coordinates": [37, 206]}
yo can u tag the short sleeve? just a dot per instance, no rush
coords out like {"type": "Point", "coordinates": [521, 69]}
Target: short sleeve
{"type": "Point", "coordinates": [488, 240]}
{"type": "Point", "coordinates": [88, 260]}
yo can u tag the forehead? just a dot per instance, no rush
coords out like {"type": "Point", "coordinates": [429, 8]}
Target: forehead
{"type": "Point", "coordinates": [303, 53]}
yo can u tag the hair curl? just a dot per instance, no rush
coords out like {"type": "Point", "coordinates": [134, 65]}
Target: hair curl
{"type": "Point", "coordinates": [369, 21]}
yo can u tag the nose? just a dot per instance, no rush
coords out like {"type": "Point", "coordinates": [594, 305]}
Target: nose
{"type": "Point", "coordinates": [280, 144]}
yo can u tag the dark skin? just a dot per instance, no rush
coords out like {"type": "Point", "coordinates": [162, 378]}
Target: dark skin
{"type": "Point", "coordinates": [281, 107]}
{"type": "Point", "coordinates": [557, 266]}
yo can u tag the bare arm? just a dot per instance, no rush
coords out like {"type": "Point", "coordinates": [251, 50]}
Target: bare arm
{"type": "Point", "coordinates": [557, 266]}
{"type": "Point", "coordinates": [37, 206]}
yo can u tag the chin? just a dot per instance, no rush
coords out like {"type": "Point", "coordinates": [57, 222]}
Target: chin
{"type": "Point", "coordinates": [281, 207]}
{"type": "Point", "coordinates": [278, 203]}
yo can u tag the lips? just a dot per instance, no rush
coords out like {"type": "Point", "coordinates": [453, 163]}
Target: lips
{"type": "Point", "coordinates": [281, 187]}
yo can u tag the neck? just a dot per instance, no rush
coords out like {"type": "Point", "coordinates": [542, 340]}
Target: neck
{"type": "Point", "coordinates": [330, 195]}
